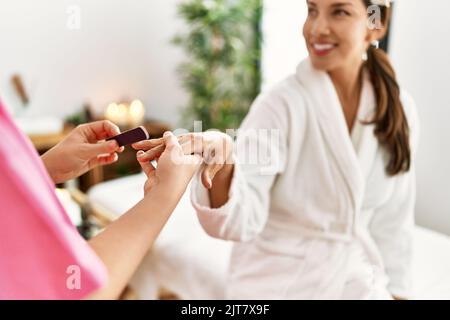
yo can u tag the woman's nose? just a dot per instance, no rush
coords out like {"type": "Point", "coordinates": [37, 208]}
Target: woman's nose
{"type": "Point", "coordinates": [320, 26]}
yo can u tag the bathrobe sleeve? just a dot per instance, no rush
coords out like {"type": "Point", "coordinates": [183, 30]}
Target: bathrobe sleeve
{"type": "Point", "coordinates": [392, 226]}
{"type": "Point", "coordinates": [263, 132]}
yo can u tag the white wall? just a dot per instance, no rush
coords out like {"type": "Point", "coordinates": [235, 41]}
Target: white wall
{"type": "Point", "coordinates": [421, 52]}
{"type": "Point", "coordinates": [122, 51]}
{"type": "Point", "coordinates": [284, 46]}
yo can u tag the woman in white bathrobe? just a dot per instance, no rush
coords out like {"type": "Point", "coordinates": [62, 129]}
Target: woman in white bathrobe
{"type": "Point", "coordinates": [328, 212]}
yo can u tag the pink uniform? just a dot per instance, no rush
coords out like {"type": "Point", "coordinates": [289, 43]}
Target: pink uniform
{"type": "Point", "coordinates": [42, 256]}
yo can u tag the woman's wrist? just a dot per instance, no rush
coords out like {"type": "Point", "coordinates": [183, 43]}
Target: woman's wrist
{"type": "Point", "coordinates": [225, 174]}
{"type": "Point", "coordinates": [166, 191]}
{"type": "Point", "coordinates": [49, 165]}
{"type": "Point", "coordinates": [221, 184]}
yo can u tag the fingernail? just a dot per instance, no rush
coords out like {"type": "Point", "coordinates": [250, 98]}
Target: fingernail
{"type": "Point", "coordinates": [113, 144]}
{"type": "Point", "coordinates": [166, 134]}
{"type": "Point", "coordinates": [140, 153]}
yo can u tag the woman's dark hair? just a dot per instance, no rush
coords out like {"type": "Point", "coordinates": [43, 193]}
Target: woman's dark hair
{"type": "Point", "coordinates": [391, 124]}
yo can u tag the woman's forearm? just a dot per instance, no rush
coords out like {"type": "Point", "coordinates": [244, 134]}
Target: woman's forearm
{"type": "Point", "coordinates": [123, 244]}
{"type": "Point", "coordinates": [221, 183]}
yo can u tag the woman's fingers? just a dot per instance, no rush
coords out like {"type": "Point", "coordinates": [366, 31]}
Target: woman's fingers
{"type": "Point", "coordinates": [92, 150]}
{"type": "Point", "coordinates": [110, 129]}
{"type": "Point", "coordinates": [187, 140]}
{"type": "Point", "coordinates": [192, 144]}
{"type": "Point", "coordinates": [215, 159]}
{"type": "Point", "coordinates": [214, 162]}
{"type": "Point", "coordinates": [187, 148]}
{"type": "Point", "coordinates": [170, 140]}
{"type": "Point", "coordinates": [109, 159]}
{"type": "Point", "coordinates": [153, 154]}
{"type": "Point", "coordinates": [103, 160]}
{"type": "Point", "coordinates": [208, 174]}
{"type": "Point", "coordinates": [100, 130]}
{"type": "Point", "coordinates": [156, 147]}
{"type": "Point", "coordinates": [146, 166]}
{"type": "Point", "coordinates": [148, 144]}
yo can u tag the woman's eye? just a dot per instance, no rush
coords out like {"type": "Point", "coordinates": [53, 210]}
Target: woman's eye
{"type": "Point", "coordinates": [341, 13]}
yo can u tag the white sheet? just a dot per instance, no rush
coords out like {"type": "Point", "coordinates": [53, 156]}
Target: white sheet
{"type": "Point", "coordinates": [431, 265]}
{"type": "Point", "coordinates": [193, 265]}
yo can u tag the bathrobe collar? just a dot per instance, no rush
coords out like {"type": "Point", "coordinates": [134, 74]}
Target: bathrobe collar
{"type": "Point", "coordinates": [351, 152]}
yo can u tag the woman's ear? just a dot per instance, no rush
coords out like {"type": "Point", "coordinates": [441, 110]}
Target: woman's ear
{"type": "Point", "coordinates": [376, 34]}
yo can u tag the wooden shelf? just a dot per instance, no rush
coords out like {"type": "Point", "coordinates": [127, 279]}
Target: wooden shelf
{"type": "Point", "coordinates": [45, 142]}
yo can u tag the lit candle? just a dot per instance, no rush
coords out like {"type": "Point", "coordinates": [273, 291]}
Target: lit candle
{"type": "Point", "coordinates": [136, 113]}
{"type": "Point", "coordinates": [112, 113]}
{"type": "Point", "coordinates": [123, 114]}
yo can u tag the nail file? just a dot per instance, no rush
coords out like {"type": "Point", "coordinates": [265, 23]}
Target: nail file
{"type": "Point", "coordinates": [131, 136]}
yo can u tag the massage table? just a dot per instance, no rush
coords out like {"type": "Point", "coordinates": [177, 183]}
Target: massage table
{"type": "Point", "coordinates": [189, 264]}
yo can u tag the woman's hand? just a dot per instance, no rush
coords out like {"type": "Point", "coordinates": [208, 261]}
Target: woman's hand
{"type": "Point", "coordinates": [214, 147]}
{"type": "Point", "coordinates": [175, 169]}
{"type": "Point", "coordinates": [83, 149]}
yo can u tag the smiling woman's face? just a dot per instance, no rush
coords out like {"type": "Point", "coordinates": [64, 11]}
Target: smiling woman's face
{"type": "Point", "coordinates": [336, 33]}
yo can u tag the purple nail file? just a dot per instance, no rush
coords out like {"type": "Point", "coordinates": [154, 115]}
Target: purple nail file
{"type": "Point", "coordinates": [131, 136]}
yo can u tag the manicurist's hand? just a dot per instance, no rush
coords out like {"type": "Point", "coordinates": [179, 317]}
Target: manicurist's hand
{"type": "Point", "coordinates": [175, 168]}
{"type": "Point", "coordinates": [214, 147]}
{"type": "Point", "coordinates": [83, 149]}
{"type": "Point", "coordinates": [124, 243]}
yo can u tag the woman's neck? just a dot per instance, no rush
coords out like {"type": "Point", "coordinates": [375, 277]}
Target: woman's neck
{"type": "Point", "coordinates": [348, 82]}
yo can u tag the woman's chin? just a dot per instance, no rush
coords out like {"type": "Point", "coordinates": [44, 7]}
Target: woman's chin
{"type": "Point", "coordinates": [322, 64]}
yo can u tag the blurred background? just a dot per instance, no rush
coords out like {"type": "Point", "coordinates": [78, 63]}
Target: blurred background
{"type": "Point", "coordinates": [166, 62]}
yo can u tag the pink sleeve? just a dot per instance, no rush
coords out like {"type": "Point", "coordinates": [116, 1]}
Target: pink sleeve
{"type": "Point", "coordinates": [42, 256]}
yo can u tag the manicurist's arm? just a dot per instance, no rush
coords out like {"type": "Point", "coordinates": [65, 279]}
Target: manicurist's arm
{"type": "Point", "coordinates": [125, 242]}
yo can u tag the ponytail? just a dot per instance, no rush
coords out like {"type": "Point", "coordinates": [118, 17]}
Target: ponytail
{"type": "Point", "coordinates": [391, 124]}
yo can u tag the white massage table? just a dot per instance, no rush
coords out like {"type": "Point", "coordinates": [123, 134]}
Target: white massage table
{"type": "Point", "coordinates": [192, 265]}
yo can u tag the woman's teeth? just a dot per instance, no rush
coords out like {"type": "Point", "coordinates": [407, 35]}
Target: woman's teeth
{"type": "Point", "coordinates": [323, 47]}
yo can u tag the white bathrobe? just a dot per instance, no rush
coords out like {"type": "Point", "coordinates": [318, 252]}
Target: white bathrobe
{"type": "Point", "coordinates": [323, 221]}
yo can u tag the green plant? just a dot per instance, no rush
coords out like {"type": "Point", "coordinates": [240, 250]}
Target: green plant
{"type": "Point", "coordinates": [222, 74]}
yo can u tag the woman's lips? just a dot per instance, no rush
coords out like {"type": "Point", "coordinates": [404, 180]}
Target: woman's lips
{"type": "Point", "coordinates": [323, 49]}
